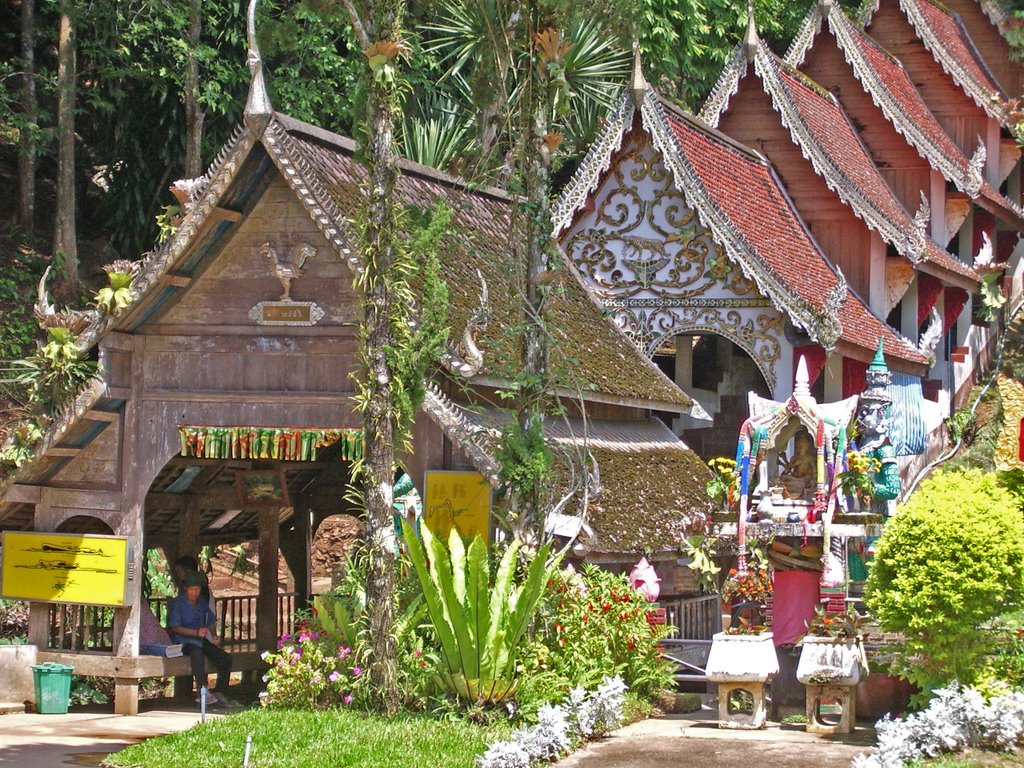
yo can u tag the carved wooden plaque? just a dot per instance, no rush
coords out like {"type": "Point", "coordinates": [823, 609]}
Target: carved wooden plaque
{"type": "Point", "coordinates": [303, 313]}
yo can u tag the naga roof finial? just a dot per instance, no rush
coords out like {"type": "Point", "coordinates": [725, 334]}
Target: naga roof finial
{"type": "Point", "coordinates": [751, 40]}
{"type": "Point", "coordinates": [257, 107]}
{"type": "Point", "coordinates": [638, 86]}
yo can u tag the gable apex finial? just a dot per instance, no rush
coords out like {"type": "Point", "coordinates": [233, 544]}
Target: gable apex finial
{"type": "Point", "coordinates": [637, 82]}
{"type": "Point", "coordinates": [751, 40]}
{"type": "Point", "coordinates": [257, 107]}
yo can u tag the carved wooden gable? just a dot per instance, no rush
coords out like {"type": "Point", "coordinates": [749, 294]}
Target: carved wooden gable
{"type": "Point", "coordinates": [644, 252]}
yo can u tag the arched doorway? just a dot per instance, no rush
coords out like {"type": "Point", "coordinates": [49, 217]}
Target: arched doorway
{"type": "Point", "coordinates": [718, 374]}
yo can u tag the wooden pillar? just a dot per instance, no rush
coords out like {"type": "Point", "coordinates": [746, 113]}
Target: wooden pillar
{"type": "Point", "coordinates": [296, 547]}
{"type": "Point", "coordinates": [188, 527]}
{"type": "Point", "coordinates": [132, 524]}
{"type": "Point", "coordinates": [266, 601]}
{"type": "Point", "coordinates": [39, 613]}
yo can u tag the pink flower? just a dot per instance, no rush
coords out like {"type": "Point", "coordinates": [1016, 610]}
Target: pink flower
{"type": "Point", "coordinates": [357, 671]}
{"type": "Point", "coordinates": [333, 677]}
{"type": "Point", "coordinates": [347, 700]}
{"type": "Point", "coordinates": [416, 653]}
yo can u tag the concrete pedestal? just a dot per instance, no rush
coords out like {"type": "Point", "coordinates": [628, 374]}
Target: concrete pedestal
{"type": "Point", "coordinates": [16, 683]}
{"type": "Point", "coordinates": [840, 696]}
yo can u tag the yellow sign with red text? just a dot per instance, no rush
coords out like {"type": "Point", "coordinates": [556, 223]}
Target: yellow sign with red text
{"type": "Point", "coordinates": [460, 500]}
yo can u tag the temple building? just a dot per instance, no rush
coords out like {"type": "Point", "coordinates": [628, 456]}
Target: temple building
{"type": "Point", "coordinates": [693, 244]}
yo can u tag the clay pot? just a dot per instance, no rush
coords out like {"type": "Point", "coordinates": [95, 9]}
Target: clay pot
{"type": "Point", "coordinates": [879, 695]}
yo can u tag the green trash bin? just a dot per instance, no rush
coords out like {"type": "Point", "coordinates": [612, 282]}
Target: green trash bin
{"type": "Point", "coordinates": [53, 687]}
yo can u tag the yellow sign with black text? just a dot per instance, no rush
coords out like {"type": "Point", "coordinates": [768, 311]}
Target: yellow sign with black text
{"type": "Point", "coordinates": [65, 568]}
{"type": "Point", "coordinates": [460, 500]}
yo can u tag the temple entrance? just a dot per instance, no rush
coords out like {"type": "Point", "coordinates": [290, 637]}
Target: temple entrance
{"type": "Point", "coordinates": [718, 374]}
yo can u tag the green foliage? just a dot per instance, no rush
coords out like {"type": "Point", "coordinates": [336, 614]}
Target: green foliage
{"type": "Point", "coordinates": [20, 449]}
{"type": "Point", "coordinates": [479, 619]}
{"type": "Point", "coordinates": [594, 625]}
{"type": "Point", "coordinates": [1007, 663]}
{"type": "Point", "coordinates": [82, 692]}
{"type": "Point", "coordinates": [525, 459]}
{"type": "Point", "coordinates": [845, 625]}
{"type": "Point", "coordinates": [167, 223]}
{"type": "Point", "coordinates": [414, 352]}
{"type": "Point", "coordinates": [115, 296]}
{"type": "Point", "coordinates": [721, 488]}
{"type": "Point", "coordinates": [963, 425]}
{"type": "Point", "coordinates": [54, 374]}
{"type": "Point", "coordinates": [310, 671]}
{"type": "Point", "coordinates": [701, 550]}
{"type": "Point", "coordinates": [952, 559]}
{"type": "Point", "coordinates": [331, 737]}
{"type": "Point", "coordinates": [19, 272]}
{"type": "Point", "coordinates": [157, 581]}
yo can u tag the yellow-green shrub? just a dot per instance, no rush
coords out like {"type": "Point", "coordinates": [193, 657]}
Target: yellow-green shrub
{"type": "Point", "coordinates": [950, 560]}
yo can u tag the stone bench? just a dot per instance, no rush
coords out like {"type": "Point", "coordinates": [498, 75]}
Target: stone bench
{"type": "Point", "coordinates": [127, 671]}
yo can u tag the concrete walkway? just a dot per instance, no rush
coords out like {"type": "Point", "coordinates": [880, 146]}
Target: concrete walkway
{"type": "Point", "coordinates": [84, 738]}
{"type": "Point", "coordinates": [696, 740]}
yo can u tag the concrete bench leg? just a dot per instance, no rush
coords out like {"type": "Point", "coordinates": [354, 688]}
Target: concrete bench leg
{"type": "Point", "coordinates": [126, 696]}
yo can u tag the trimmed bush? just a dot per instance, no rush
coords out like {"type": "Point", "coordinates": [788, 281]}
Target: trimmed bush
{"type": "Point", "coordinates": [951, 560]}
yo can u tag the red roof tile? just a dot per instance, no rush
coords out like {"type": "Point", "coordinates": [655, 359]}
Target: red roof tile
{"type": "Point", "coordinates": [887, 73]}
{"type": "Point", "coordinates": [841, 156]}
{"type": "Point", "coordinates": [949, 33]}
{"type": "Point", "coordinates": [740, 184]}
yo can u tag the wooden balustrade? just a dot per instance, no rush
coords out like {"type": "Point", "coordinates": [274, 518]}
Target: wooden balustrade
{"type": "Point", "coordinates": [693, 618]}
{"type": "Point", "coordinates": [91, 628]}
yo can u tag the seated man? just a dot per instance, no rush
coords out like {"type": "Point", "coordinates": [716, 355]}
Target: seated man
{"type": "Point", "coordinates": [192, 623]}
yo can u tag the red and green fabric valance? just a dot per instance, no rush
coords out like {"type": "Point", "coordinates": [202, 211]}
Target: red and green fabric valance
{"type": "Point", "coordinates": [267, 442]}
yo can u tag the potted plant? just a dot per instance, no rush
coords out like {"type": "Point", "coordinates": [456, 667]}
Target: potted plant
{"type": "Point", "coordinates": [742, 659]}
{"type": "Point", "coordinates": [832, 649]}
{"type": "Point", "coordinates": [744, 595]}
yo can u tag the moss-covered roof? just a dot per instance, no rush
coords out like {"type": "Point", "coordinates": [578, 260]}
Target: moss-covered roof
{"type": "Point", "coordinates": [590, 353]}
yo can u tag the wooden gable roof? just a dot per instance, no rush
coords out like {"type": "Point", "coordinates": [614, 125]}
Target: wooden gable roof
{"type": "Point", "coordinates": [891, 89]}
{"type": "Point", "coordinates": [821, 129]}
{"type": "Point", "coordinates": [741, 201]}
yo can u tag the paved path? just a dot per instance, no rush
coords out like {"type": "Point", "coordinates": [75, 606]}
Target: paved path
{"type": "Point", "coordinates": [695, 740]}
{"type": "Point", "coordinates": [82, 738]}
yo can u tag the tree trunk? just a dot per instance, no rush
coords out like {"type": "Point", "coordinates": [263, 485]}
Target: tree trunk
{"type": "Point", "coordinates": [380, 238]}
{"type": "Point", "coordinates": [30, 110]}
{"type": "Point", "coordinates": [64, 238]}
{"type": "Point", "coordinates": [194, 116]}
{"type": "Point", "coordinates": [537, 169]}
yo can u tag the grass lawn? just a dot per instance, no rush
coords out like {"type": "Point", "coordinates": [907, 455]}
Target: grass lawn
{"type": "Point", "coordinates": [973, 758]}
{"type": "Point", "coordinates": [292, 739]}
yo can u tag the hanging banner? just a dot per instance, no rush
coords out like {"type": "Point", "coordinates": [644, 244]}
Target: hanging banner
{"type": "Point", "coordinates": [67, 568]}
{"type": "Point", "coordinates": [267, 442]}
{"type": "Point", "coordinates": [460, 500]}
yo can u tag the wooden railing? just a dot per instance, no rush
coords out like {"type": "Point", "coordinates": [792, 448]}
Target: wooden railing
{"type": "Point", "coordinates": [693, 618]}
{"type": "Point", "coordinates": [91, 628]}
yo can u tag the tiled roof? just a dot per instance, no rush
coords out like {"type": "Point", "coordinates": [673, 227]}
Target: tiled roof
{"type": "Point", "coordinates": [746, 190]}
{"type": "Point", "coordinates": [821, 129]}
{"type": "Point", "coordinates": [944, 35]}
{"type": "Point", "coordinates": [653, 487]}
{"type": "Point", "coordinates": [890, 87]}
{"type": "Point", "coordinates": [591, 352]}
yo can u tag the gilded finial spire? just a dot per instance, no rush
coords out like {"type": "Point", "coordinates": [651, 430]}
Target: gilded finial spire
{"type": "Point", "coordinates": [637, 82]}
{"type": "Point", "coordinates": [751, 41]}
{"type": "Point", "coordinates": [257, 107]}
